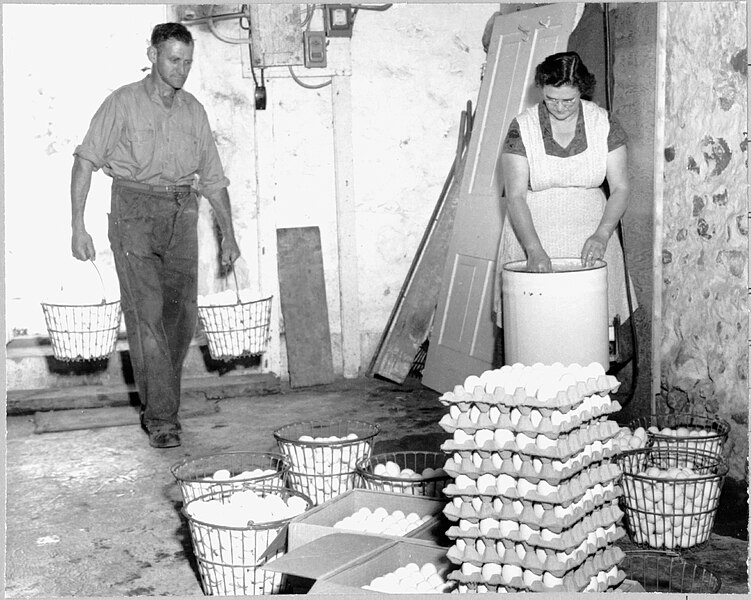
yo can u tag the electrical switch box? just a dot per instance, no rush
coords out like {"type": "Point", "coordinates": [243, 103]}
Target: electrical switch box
{"type": "Point", "coordinates": [338, 20]}
{"type": "Point", "coordinates": [315, 49]}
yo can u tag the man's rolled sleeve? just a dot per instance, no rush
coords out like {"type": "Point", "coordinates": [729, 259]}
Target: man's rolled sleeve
{"type": "Point", "coordinates": [102, 135]}
{"type": "Point", "coordinates": [211, 176]}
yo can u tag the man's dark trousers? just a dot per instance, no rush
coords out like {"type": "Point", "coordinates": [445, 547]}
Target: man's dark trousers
{"type": "Point", "coordinates": [154, 240]}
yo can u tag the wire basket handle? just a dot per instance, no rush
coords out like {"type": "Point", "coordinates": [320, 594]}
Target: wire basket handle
{"type": "Point", "coordinates": [101, 281]}
{"type": "Point", "coordinates": [237, 287]}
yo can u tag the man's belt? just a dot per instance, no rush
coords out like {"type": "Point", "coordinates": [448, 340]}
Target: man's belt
{"type": "Point", "coordinates": [155, 189]}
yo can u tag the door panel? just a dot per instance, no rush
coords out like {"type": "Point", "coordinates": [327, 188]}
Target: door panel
{"type": "Point", "coordinates": [470, 278]}
{"type": "Point", "coordinates": [463, 338]}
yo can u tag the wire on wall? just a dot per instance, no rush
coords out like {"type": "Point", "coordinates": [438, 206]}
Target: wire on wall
{"type": "Point", "coordinates": [309, 86]}
{"type": "Point", "coordinates": [358, 7]}
{"type": "Point", "coordinates": [217, 34]}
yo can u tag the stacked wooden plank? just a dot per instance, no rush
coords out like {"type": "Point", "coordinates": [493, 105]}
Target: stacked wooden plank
{"type": "Point", "coordinates": [534, 493]}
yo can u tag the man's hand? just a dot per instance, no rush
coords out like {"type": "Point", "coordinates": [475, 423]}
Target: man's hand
{"type": "Point", "coordinates": [82, 245]}
{"type": "Point", "coordinates": [230, 252]}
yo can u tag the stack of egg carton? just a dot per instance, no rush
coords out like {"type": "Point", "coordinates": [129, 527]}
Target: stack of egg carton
{"type": "Point", "coordinates": [534, 493]}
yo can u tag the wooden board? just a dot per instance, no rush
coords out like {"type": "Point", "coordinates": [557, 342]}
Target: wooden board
{"type": "Point", "coordinates": [304, 307]}
{"type": "Point", "coordinates": [114, 416]}
{"type": "Point", "coordinates": [24, 402]}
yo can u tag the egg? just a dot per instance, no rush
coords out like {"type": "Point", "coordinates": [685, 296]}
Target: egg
{"type": "Point", "coordinates": [486, 483]}
{"type": "Point", "coordinates": [507, 527]}
{"type": "Point", "coordinates": [550, 581]}
{"type": "Point", "coordinates": [510, 572]}
{"type": "Point", "coordinates": [380, 513]}
{"type": "Point", "coordinates": [505, 483]}
{"type": "Point", "coordinates": [490, 570]}
{"type": "Point", "coordinates": [392, 469]}
{"type": "Point", "coordinates": [502, 437]}
{"type": "Point", "coordinates": [221, 474]}
{"type": "Point", "coordinates": [483, 436]}
{"type": "Point", "coordinates": [530, 578]}
{"type": "Point", "coordinates": [488, 525]}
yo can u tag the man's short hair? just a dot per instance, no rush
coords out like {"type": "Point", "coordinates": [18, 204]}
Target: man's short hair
{"type": "Point", "coordinates": [170, 31]}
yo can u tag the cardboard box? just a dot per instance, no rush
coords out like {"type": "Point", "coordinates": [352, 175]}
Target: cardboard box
{"type": "Point", "coordinates": [326, 555]}
{"type": "Point", "coordinates": [386, 559]}
{"type": "Point", "coordinates": [320, 520]}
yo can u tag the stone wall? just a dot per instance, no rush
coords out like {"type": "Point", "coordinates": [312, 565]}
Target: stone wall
{"type": "Point", "coordinates": [705, 247]}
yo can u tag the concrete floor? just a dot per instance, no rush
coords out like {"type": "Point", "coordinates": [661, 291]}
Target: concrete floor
{"type": "Point", "coordinates": [96, 512]}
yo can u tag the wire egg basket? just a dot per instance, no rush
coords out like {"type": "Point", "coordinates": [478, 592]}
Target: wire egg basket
{"type": "Point", "coordinates": [323, 455]}
{"type": "Point", "coordinates": [425, 476]}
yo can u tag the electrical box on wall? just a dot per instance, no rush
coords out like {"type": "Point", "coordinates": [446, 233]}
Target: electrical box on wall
{"type": "Point", "coordinates": [315, 49]}
{"type": "Point", "coordinates": [337, 19]}
{"type": "Point", "coordinates": [275, 35]}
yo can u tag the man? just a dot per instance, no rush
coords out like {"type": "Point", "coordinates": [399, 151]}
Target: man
{"type": "Point", "coordinates": [153, 138]}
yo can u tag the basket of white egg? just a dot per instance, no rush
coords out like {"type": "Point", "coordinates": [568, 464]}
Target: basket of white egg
{"type": "Point", "coordinates": [235, 533]}
{"type": "Point", "coordinates": [668, 572]}
{"type": "Point", "coordinates": [323, 455]}
{"type": "Point", "coordinates": [409, 472]}
{"type": "Point", "coordinates": [670, 496]}
{"type": "Point", "coordinates": [685, 431]}
{"type": "Point", "coordinates": [235, 324]}
{"type": "Point", "coordinates": [229, 471]}
{"type": "Point", "coordinates": [80, 328]}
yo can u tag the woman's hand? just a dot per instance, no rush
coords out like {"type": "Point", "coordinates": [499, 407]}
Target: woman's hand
{"type": "Point", "coordinates": [538, 261]}
{"type": "Point", "coordinates": [594, 249]}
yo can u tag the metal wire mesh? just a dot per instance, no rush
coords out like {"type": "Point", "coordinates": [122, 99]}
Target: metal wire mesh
{"type": "Point", "coordinates": [236, 330]}
{"type": "Point", "coordinates": [196, 476]}
{"type": "Point", "coordinates": [230, 558]}
{"type": "Point", "coordinates": [670, 509]}
{"type": "Point", "coordinates": [716, 429]}
{"type": "Point", "coordinates": [82, 332]}
{"type": "Point", "coordinates": [324, 469]}
{"type": "Point", "coordinates": [668, 573]}
{"type": "Point", "coordinates": [417, 461]}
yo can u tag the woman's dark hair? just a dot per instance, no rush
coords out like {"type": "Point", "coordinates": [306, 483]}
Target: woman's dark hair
{"type": "Point", "coordinates": [170, 31]}
{"type": "Point", "coordinates": [565, 68]}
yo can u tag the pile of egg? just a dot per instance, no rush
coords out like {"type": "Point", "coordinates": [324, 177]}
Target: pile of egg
{"type": "Point", "coordinates": [320, 488]}
{"type": "Point", "coordinates": [427, 482]}
{"type": "Point", "coordinates": [244, 508]}
{"type": "Point", "coordinates": [222, 580]}
{"type": "Point", "coordinates": [626, 439]}
{"type": "Point", "coordinates": [323, 467]}
{"type": "Point", "coordinates": [325, 455]}
{"type": "Point", "coordinates": [411, 579]}
{"type": "Point", "coordinates": [239, 531]}
{"type": "Point", "coordinates": [226, 297]}
{"type": "Point", "coordinates": [380, 521]}
{"type": "Point", "coordinates": [690, 438]}
{"type": "Point", "coordinates": [508, 480]}
{"type": "Point", "coordinates": [233, 326]}
{"type": "Point", "coordinates": [671, 508]}
{"type": "Point", "coordinates": [222, 480]}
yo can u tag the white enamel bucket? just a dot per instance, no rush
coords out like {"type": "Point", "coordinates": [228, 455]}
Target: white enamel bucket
{"type": "Point", "coordinates": [559, 316]}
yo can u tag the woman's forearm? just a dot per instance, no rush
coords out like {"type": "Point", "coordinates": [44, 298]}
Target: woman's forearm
{"type": "Point", "coordinates": [615, 208]}
{"type": "Point", "coordinates": [521, 220]}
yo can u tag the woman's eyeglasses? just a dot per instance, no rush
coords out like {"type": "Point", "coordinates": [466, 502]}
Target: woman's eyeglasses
{"type": "Point", "coordinates": [567, 103]}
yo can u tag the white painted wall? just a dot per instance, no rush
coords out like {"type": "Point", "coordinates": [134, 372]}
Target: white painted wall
{"type": "Point", "coordinates": [411, 70]}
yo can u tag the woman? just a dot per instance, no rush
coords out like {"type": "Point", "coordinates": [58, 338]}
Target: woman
{"type": "Point", "coordinates": [555, 158]}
